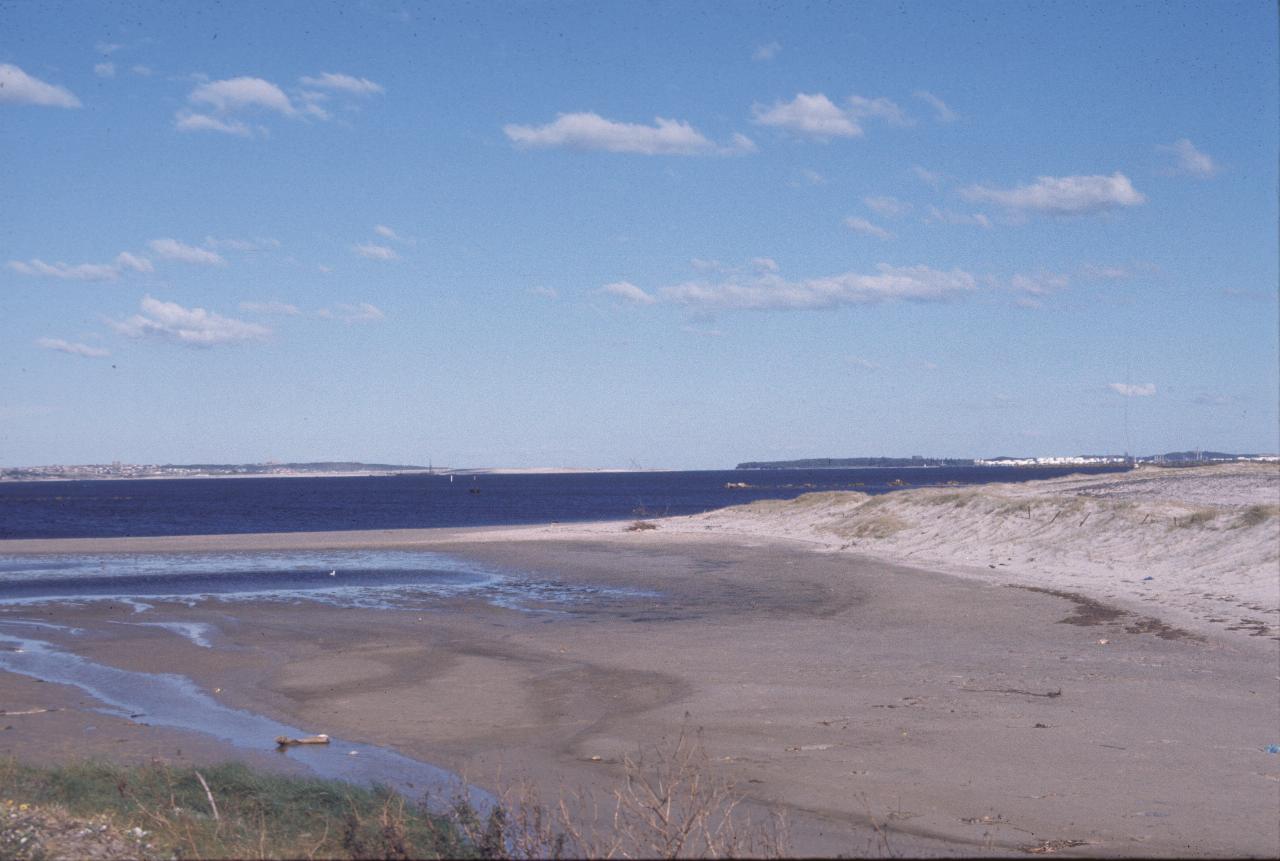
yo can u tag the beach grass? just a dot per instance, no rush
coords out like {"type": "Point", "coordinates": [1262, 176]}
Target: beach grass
{"type": "Point", "coordinates": [222, 811]}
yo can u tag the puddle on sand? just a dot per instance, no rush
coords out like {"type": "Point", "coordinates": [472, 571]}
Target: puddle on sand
{"type": "Point", "coordinates": [169, 700]}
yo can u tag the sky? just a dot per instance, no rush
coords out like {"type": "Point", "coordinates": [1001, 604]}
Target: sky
{"type": "Point", "coordinates": [651, 235]}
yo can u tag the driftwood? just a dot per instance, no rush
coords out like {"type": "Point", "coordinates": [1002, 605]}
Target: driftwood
{"type": "Point", "coordinates": [285, 741]}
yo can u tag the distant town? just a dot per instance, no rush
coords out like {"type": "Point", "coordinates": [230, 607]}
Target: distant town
{"type": "Point", "coordinates": [118, 470]}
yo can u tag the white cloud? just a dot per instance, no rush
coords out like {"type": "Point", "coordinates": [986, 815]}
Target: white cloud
{"type": "Point", "coordinates": [630, 292]}
{"type": "Point", "coordinates": [343, 83]}
{"type": "Point", "coordinates": [1133, 391]}
{"type": "Point", "coordinates": [861, 225]}
{"type": "Point", "coordinates": [812, 177]}
{"type": "Point", "coordinates": [888, 207]}
{"type": "Point", "coordinates": [375, 252]}
{"type": "Point", "coordinates": [19, 88]}
{"type": "Point", "coordinates": [172, 249]}
{"type": "Point", "coordinates": [1189, 160]}
{"type": "Point", "coordinates": [545, 292]}
{"type": "Point", "coordinates": [258, 243]}
{"type": "Point", "coordinates": [105, 70]}
{"type": "Point", "coordinates": [125, 260]}
{"type": "Point", "coordinates": [942, 113]}
{"type": "Point", "coordinates": [1066, 195]}
{"type": "Point", "coordinates": [193, 326]}
{"type": "Point", "coordinates": [946, 216]}
{"type": "Point", "coordinates": [588, 131]}
{"type": "Point", "coordinates": [83, 271]}
{"type": "Point", "coordinates": [75, 349]}
{"type": "Point", "coordinates": [1040, 284]}
{"type": "Point", "coordinates": [235, 94]}
{"type": "Point", "coordinates": [385, 232]}
{"type": "Point", "coordinates": [767, 52]}
{"type": "Point", "coordinates": [808, 114]}
{"type": "Point", "coordinates": [881, 108]}
{"type": "Point", "coordinates": [273, 307]}
{"type": "Point", "coordinates": [770, 291]}
{"type": "Point", "coordinates": [702, 265]}
{"type": "Point", "coordinates": [764, 264]}
{"type": "Point", "coordinates": [139, 69]}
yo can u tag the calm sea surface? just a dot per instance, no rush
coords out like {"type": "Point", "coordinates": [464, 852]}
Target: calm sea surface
{"type": "Point", "coordinates": [139, 507]}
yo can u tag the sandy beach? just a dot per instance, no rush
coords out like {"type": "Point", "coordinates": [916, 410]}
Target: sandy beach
{"type": "Point", "coordinates": [973, 670]}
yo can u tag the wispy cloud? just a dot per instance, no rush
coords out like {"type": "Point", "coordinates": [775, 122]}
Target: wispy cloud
{"type": "Point", "coordinates": [83, 271]}
{"type": "Point", "coordinates": [105, 70]}
{"type": "Point", "coordinates": [386, 232]}
{"type": "Point", "coordinates": [172, 249]}
{"type": "Point", "coordinates": [1129, 390]}
{"type": "Point", "coordinates": [186, 121]}
{"type": "Point", "coordinates": [628, 291]}
{"type": "Point", "coordinates": [763, 291]}
{"type": "Point", "coordinates": [1039, 284]}
{"type": "Point", "coordinates": [926, 176]}
{"type": "Point", "coordinates": [1066, 195]}
{"type": "Point", "coordinates": [942, 113]}
{"type": "Point", "coordinates": [589, 131]}
{"type": "Point", "coordinates": [374, 251]}
{"type": "Point", "coordinates": [258, 243]}
{"type": "Point", "coordinates": [879, 108]}
{"type": "Point", "coordinates": [947, 216]}
{"type": "Point", "coordinates": [272, 307]}
{"type": "Point", "coordinates": [19, 88]}
{"type": "Point", "coordinates": [867, 228]}
{"type": "Point", "coordinates": [887, 207]}
{"type": "Point", "coordinates": [343, 83]}
{"type": "Point", "coordinates": [545, 292]}
{"type": "Point", "coordinates": [864, 364]}
{"type": "Point", "coordinates": [191, 326]}
{"type": "Point", "coordinates": [360, 312]}
{"type": "Point", "coordinates": [1188, 160]}
{"type": "Point", "coordinates": [764, 53]}
{"type": "Point", "coordinates": [73, 348]}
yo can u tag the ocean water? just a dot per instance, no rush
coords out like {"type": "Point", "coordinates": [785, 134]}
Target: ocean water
{"type": "Point", "coordinates": [149, 507]}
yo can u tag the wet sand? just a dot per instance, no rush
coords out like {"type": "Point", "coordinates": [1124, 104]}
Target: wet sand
{"type": "Point", "coordinates": [966, 717]}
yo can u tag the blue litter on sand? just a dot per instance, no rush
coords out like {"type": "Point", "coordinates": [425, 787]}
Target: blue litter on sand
{"type": "Point", "coordinates": [1273, 748]}
{"type": "Point", "coordinates": [1148, 578]}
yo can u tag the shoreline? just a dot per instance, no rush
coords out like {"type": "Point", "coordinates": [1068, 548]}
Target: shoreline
{"type": "Point", "coordinates": [970, 715]}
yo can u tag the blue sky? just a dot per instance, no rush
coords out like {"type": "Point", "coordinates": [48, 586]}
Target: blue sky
{"type": "Point", "coordinates": [668, 235]}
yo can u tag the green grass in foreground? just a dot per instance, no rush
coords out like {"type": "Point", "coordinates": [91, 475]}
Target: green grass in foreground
{"type": "Point", "coordinates": [260, 815]}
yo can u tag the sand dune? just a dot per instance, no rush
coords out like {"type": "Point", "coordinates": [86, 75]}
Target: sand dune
{"type": "Point", "coordinates": [1200, 547]}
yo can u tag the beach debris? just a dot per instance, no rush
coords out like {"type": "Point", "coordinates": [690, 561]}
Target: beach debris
{"type": "Point", "coordinates": [1103, 642]}
{"type": "Point", "coordinates": [27, 712]}
{"type": "Point", "coordinates": [1051, 846]}
{"type": "Point", "coordinates": [1041, 726]}
{"type": "Point", "coordinates": [1273, 748]}
{"type": "Point", "coordinates": [596, 758]}
{"type": "Point", "coordinates": [1148, 577]}
{"type": "Point", "coordinates": [286, 741]}
{"type": "Point", "coordinates": [642, 526]}
{"type": "Point", "coordinates": [353, 753]}
{"type": "Point", "coordinates": [807, 747]}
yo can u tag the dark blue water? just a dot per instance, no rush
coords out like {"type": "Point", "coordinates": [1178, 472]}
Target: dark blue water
{"type": "Point", "coordinates": [140, 507]}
